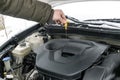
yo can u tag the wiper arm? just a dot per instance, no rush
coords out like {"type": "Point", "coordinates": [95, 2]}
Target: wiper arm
{"type": "Point", "coordinates": [73, 19]}
{"type": "Point", "coordinates": [96, 22]}
{"type": "Point", "coordinates": [109, 20]}
{"type": "Point", "coordinates": [80, 22]}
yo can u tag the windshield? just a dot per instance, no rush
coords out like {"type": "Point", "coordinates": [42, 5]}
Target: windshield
{"type": "Point", "coordinates": [105, 14]}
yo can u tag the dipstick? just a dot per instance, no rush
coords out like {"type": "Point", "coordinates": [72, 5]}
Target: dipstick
{"type": "Point", "coordinates": [66, 28]}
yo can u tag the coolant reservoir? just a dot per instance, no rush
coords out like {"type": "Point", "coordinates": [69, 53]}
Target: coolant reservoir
{"type": "Point", "coordinates": [6, 61]}
{"type": "Point", "coordinates": [21, 51]}
{"type": "Point", "coordinates": [35, 40]}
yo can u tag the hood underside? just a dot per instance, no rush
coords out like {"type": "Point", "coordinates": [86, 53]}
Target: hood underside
{"type": "Point", "coordinates": [59, 2]}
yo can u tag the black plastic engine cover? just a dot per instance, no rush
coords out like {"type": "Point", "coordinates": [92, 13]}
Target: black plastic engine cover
{"type": "Point", "coordinates": [66, 59]}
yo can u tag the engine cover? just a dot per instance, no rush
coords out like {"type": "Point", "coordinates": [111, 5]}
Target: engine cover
{"type": "Point", "coordinates": [66, 58]}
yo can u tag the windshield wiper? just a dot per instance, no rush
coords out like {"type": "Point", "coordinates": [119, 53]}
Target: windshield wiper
{"type": "Point", "coordinates": [97, 22]}
{"type": "Point", "coordinates": [81, 22]}
{"type": "Point", "coordinates": [109, 20]}
{"type": "Point", "coordinates": [73, 19]}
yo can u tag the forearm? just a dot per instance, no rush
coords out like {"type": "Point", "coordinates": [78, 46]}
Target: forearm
{"type": "Point", "coordinates": [27, 9]}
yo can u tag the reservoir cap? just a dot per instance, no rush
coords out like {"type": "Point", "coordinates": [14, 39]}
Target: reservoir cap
{"type": "Point", "coordinates": [6, 59]}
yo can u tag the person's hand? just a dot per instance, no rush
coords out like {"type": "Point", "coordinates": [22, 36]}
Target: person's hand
{"type": "Point", "coordinates": [59, 17]}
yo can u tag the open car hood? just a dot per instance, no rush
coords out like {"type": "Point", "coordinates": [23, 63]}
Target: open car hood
{"type": "Point", "coordinates": [60, 2]}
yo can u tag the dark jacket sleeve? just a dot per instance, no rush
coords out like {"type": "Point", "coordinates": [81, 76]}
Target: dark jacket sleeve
{"type": "Point", "coordinates": [28, 9]}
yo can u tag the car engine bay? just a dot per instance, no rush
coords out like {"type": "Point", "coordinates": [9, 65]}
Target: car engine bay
{"type": "Point", "coordinates": [46, 53]}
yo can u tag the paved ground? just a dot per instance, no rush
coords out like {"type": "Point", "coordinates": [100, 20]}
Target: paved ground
{"type": "Point", "coordinates": [13, 26]}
